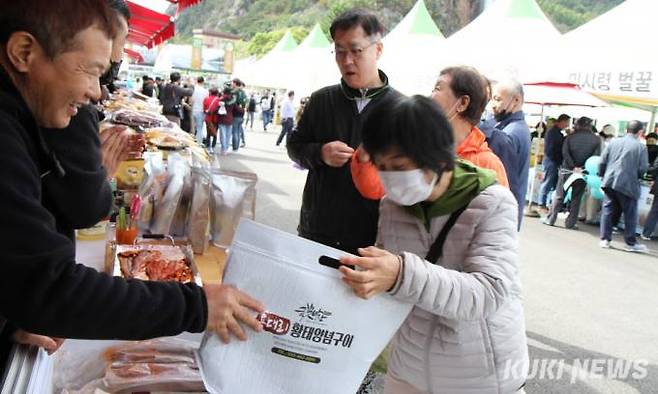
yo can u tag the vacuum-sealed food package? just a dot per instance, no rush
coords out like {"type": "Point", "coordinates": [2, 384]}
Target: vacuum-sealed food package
{"type": "Point", "coordinates": [234, 197]}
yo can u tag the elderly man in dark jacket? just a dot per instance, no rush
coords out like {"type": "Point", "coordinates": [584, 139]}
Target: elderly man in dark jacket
{"type": "Point", "coordinates": [623, 162]}
{"type": "Point", "coordinates": [508, 136]}
{"type": "Point", "coordinates": [577, 148]}
{"type": "Point", "coordinates": [50, 62]}
{"type": "Point", "coordinates": [333, 211]}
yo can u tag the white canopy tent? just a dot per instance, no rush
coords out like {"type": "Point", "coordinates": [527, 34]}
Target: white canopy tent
{"type": "Point", "coordinates": [312, 66]}
{"type": "Point", "coordinates": [412, 55]}
{"type": "Point", "coordinates": [507, 40]}
{"type": "Point", "coordinates": [615, 55]}
{"type": "Point", "coordinates": [271, 71]}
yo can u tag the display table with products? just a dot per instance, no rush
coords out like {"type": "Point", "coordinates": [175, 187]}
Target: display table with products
{"type": "Point", "coordinates": [31, 370]}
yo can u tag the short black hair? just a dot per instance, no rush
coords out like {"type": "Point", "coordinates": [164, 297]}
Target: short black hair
{"type": "Point", "coordinates": [584, 122]}
{"type": "Point", "coordinates": [651, 135]}
{"type": "Point", "coordinates": [416, 127]}
{"type": "Point", "coordinates": [120, 6]}
{"type": "Point", "coordinates": [200, 80]}
{"type": "Point", "coordinates": [563, 117]}
{"type": "Point", "coordinates": [634, 127]}
{"type": "Point", "coordinates": [175, 76]}
{"type": "Point", "coordinates": [238, 82]}
{"type": "Point", "coordinates": [467, 81]}
{"type": "Point", "coordinates": [55, 25]}
{"type": "Point", "coordinates": [291, 93]}
{"type": "Point", "coordinates": [354, 18]}
{"type": "Point", "coordinates": [213, 91]}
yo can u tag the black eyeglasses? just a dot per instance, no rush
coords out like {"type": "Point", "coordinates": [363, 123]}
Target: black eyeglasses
{"type": "Point", "coordinates": [356, 52]}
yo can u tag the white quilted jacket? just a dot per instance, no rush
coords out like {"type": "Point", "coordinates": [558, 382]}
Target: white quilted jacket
{"type": "Point", "coordinates": [466, 333]}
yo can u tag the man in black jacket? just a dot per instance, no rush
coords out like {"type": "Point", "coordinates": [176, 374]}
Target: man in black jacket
{"type": "Point", "coordinates": [552, 158]}
{"type": "Point", "coordinates": [78, 193]}
{"type": "Point", "coordinates": [333, 212]}
{"type": "Point", "coordinates": [50, 62]}
{"type": "Point", "coordinates": [577, 148]}
{"type": "Point", "coordinates": [172, 96]}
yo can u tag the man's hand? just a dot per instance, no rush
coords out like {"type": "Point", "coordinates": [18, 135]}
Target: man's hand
{"type": "Point", "coordinates": [113, 141]}
{"type": "Point", "coordinates": [227, 308]}
{"type": "Point", "coordinates": [119, 144]}
{"type": "Point", "coordinates": [577, 170]}
{"type": "Point", "coordinates": [379, 270]}
{"type": "Point", "coordinates": [336, 154]}
{"type": "Point", "coordinates": [47, 343]}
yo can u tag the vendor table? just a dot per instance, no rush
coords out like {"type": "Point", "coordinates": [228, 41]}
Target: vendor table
{"type": "Point", "coordinates": [210, 265]}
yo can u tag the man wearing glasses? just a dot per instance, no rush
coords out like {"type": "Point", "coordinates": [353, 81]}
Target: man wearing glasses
{"type": "Point", "coordinates": [333, 212]}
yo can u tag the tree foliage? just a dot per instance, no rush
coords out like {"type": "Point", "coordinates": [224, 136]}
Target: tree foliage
{"type": "Point", "coordinates": [261, 23]}
{"type": "Point", "coordinates": [262, 43]}
{"type": "Point", "coordinates": [568, 14]}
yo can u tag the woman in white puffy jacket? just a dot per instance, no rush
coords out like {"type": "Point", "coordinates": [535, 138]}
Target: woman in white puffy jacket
{"type": "Point", "coordinates": [447, 243]}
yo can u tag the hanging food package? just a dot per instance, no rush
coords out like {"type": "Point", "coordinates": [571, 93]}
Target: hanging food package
{"type": "Point", "coordinates": [233, 197]}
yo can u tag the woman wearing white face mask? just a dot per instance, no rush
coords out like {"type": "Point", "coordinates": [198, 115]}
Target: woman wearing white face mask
{"type": "Point", "coordinates": [447, 242]}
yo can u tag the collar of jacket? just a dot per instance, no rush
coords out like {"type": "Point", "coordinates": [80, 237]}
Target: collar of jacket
{"type": "Point", "coordinates": [514, 117]}
{"type": "Point", "coordinates": [576, 131]}
{"type": "Point", "coordinates": [12, 101]}
{"type": "Point", "coordinates": [353, 94]}
{"type": "Point", "coordinates": [475, 142]}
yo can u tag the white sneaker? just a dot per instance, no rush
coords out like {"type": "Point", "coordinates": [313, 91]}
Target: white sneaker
{"type": "Point", "coordinates": [604, 243]}
{"type": "Point", "coordinates": [638, 248]}
{"type": "Point", "coordinates": [645, 238]}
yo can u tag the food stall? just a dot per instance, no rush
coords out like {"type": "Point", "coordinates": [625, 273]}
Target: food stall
{"type": "Point", "coordinates": [175, 213]}
{"type": "Point", "coordinates": [548, 94]}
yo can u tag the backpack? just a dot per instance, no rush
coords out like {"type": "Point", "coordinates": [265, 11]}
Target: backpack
{"type": "Point", "coordinates": [222, 109]}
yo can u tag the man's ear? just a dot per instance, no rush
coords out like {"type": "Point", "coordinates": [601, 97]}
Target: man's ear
{"type": "Point", "coordinates": [380, 49]}
{"type": "Point", "coordinates": [22, 48]}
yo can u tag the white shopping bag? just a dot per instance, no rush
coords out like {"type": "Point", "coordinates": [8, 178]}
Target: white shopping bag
{"type": "Point", "coordinates": [320, 338]}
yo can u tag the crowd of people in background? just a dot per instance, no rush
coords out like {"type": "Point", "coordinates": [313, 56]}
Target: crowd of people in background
{"type": "Point", "coordinates": [220, 112]}
{"type": "Point", "coordinates": [500, 141]}
{"type": "Point", "coordinates": [623, 163]}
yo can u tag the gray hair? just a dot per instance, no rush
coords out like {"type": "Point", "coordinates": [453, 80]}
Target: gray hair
{"type": "Point", "coordinates": [513, 86]}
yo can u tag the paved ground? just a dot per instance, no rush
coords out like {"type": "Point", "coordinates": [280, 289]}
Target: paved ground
{"type": "Point", "coordinates": [584, 306]}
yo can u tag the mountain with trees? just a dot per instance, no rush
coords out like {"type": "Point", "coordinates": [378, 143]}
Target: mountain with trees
{"type": "Point", "coordinates": [261, 23]}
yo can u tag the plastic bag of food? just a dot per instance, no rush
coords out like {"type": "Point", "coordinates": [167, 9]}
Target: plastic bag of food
{"type": "Point", "coordinates": [233, 197]}
{"type": "Point", "coordinates": [151, 189]}
{"type": "Point", "coordinates": [179, 225]}
{"type": "Point", "coordinates": [164, 364]}
{"type": "Point", "coordinates": [199, 216]}
{"type": "Point", "coordinates": [138, 120]}
{"type": "Point", "coordinates": [165, 209]}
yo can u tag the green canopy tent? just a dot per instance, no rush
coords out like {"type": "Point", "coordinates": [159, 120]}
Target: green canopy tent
{"type": "Point", "coordinates": [412, 54]}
